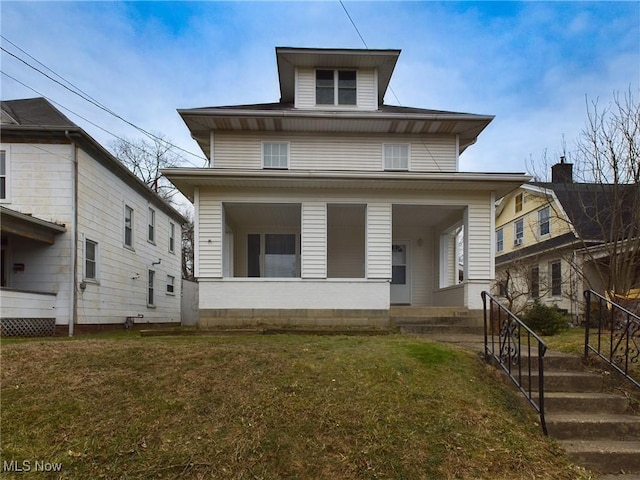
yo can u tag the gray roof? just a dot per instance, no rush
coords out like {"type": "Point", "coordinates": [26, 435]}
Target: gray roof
{"type": "Point", "coordinates": [33, 112]}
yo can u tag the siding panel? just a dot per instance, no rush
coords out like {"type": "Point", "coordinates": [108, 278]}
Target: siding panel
{"type": "Point", "coordinates": [379, 240]}
{"type": "Point", "coordinates": [210, 221]}
{"type": "Point", "coordinates": [314, 240]}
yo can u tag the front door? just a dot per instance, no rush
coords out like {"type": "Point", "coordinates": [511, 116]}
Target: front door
{"type": "Point", "coordinates": [400, 274]}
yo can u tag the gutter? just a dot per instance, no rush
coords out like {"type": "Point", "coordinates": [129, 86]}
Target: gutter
{"type": "Point", "coordinates": [73, 301]}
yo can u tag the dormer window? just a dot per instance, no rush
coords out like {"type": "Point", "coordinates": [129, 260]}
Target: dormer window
{"type": "Point", "coordinates": [336, 87]}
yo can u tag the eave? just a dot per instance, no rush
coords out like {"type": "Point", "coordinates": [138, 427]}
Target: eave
{"type": "Point", "coordinates": [28, 226]}
{"type": "Point", "coordinates": [187, 179]}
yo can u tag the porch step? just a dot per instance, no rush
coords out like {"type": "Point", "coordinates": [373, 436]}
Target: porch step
{"type": "Point", "coordinates": [585, 426]}
{"type": "Point", "coordinates": [561, 381]}
{"type": "Point", "coordinates": [606, 456]}
{"type": "Point", "coordinates": [585, 402]}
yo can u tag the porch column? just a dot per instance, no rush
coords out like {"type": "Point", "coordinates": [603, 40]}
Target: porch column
{"type": "Point", "coordinates": [314, 240]}
{"type": "Point", "coordinates": [378, 232]}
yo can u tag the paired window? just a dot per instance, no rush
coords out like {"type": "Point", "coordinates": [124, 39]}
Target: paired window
{"type": "Point", "coordinates": [172, 237]}
{"type": "Point", "coordinates": [128, 226]}
{"type": "Point", "coordinates": [275, 155]}
{"type": "Point", "coordinates": [151, 232]}
{"type": "Point", "coordinates": [171, 284]}
{"type": "Point", "coordinates": [534, 282]}
{"type": "Point", "coordinates": [518, 237]}
{"type": "Point", "coordinates": [519, 202]}
{"type": "Point", "coordinates": [543, 221]}
{"type": "Point", "coordinates": [90, 260]}
{"type": "Point", "coordinates": [336, 87]}
{"type": "Point", "coordinates": [3, 175]}
{"type": "Point", "coordinates": [396, 157]}
{"type": "Point", "coordinates": [151, 275]}
{"type": "Point", "coordinates": [556, 279]}
{"type": "Point", "coordinates": [500, 240]}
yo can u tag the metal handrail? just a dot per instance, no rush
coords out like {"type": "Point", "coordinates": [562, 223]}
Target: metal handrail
{"type": "Point", "coordinates": [623, 330]}
{"type": "Point", "coordinates": [511, 352]}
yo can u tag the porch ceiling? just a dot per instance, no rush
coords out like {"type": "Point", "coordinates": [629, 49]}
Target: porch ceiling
{"type": "Point", "coordinates": [253, 214]}
{"type": "Point", "coordinates": [28, 226]}
{"type": "Point", "coordinates": [425, 215]}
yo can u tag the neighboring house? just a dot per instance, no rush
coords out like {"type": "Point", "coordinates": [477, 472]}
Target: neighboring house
{"type": "Point", "coordinates": [553, 240]}
{"type": "Point", "coordinates": [330, 206]}
{"type": "Point", "coordinates": [84, 242]}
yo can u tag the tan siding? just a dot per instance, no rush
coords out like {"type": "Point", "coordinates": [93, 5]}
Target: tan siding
{"type": "Point", "coordinates": [210, 238]}
{"type": "Point", "coordinates": [314, 240]}
{"type": "Point", "coordinates": [379, 240]}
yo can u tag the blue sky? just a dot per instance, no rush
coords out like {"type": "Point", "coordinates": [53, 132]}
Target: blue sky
{"type": "Point", "coordinates": [531, 64]}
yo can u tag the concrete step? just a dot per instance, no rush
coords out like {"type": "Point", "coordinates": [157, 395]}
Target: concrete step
{"type": "Point", "coordinates": [439, 320]}
{"type": "Point", "coordinates": [559, 381]}
{"type": "Point", "coordinates": [613, 457]}
{"type": "Point", "coordinates": [585, 402]}
{"type": "Point", "coordinates": [423, 329]}
{"type": "Point", "coordinates": [568, 426]}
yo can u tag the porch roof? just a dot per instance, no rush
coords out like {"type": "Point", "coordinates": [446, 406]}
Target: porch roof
{"type": "Point", "coordinates": [28, 226]}
{"type": "Point", "coordinates": [186, 179]}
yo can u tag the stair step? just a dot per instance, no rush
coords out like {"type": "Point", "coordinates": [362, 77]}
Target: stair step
{"type": "Point", "coordinates": [606, 456]}
{"type": "Point", "coordinates": [584, 402]}
{"type": "Point", "coordinates": [566, 426]}
{"type": "Point", "coordinates": [440, 329]}
{"type": "Point", "coordinates": [559, 381]}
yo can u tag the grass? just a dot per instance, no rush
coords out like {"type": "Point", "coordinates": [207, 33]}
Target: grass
{"type": "Point", "coordinates": [266, 407]}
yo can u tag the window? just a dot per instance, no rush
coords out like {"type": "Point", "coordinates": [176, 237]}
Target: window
{"type": "Point", "coordinates": [396, 157]}
{"type": "Point", "coordinates": [518, 236]}
{"type": "Point", "coordinates": [519, 202]}
{"type": "Point", "coordinates": [280, 258]}
{"type": "Point", "coordinates": [172, 237]}
{"type": "Point", "coordinates": [170, 284]}
{"type": "Point", "coordinates": [543, 221]}
{"type": "Point", "coordinates": [128, 226]}
{"type": "Point", "coordinates": [275, 155]}
{"type": "Point", "coordinates": [534, 282]}
{"type": "Point", "coordinates": [500, 240]}
{"type": "Point", "coordinates": [336, 87]}
{"type": "Point", "coordinates": [151, 235]}
{"type": "Point", "coordinates": [150, 279]}
{"type": "Point", "coordinates": [556, 279]}
{"type": "Point", "coordinates": [90, 260]}
{"type": "Point", "coordinates": [3, 175]}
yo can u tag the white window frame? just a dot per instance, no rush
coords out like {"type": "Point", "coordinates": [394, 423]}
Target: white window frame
{"type": "Point", "coordinates": [151, 289]}
{"type": "Point", "coordinates": [131, 227]}
{"type": "Point", "coordinates": [151, 225]}
{"type": "Point", "coordinates": [391, 167]}
{"type": "Point", "coordinates": [6, 175]}
{"type": "Point", "coordinates": [172, 237]}
{"type": "Point", "coordinates": [171, 285]}
{"type": "Point", "coordinates": [336, 87]}
{"type": "Point", "coordinates": [279, 167]}
{"type": "Point", "coordinates": [515, 232]}
{"type": "Point", "coordinates": [544, 221]}
{"type": "Point", "coordinates": [500, 239]}
{"type": "Point", "coordinates": [95, 260]}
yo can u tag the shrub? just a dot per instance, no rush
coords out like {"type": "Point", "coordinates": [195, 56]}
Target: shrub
{"type": "Point", "coordinates": [545, 320]}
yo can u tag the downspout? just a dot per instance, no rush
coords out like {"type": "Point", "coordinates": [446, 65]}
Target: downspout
{"type": "Point", "coordinates": [73, 301]}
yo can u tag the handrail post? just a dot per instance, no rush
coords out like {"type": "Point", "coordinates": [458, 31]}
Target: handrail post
{"type": "Point", "coordinates": [541, 352]}
{"type": "Point", "coordinates": [486, 338]}
{"type": "Point", "coordinates": [587, 295]}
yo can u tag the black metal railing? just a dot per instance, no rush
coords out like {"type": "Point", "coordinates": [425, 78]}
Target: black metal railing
{"type": "Point", "coordinates": [515, 347]}
{"type": "Point", "coordinates": [617, 334]}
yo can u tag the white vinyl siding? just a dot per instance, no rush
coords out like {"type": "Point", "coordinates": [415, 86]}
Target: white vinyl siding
{"type": "Point", "coordinates": [210, 223]}
{"type": "Point", "coordinates": [367, 90]}
{"type": "Point", "coordinates": [314, 240]}
{"type": "Point", "coordinates": [479, 238]}
{"type": "Point", "coordinates": [335, 152]}
{"type": "Point", "coordinates": [379, 240]}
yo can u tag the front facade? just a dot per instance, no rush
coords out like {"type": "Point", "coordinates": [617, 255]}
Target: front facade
{"type": "Point", "coordinates": [330, 206]}
{"type": "Point", "coordinates": [84, 242]}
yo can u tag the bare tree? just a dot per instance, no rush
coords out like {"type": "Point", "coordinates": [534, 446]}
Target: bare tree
{"type": "Point", "coordinates": [144, 158]}
{"type": "Point", "coordinates": [188, 271]}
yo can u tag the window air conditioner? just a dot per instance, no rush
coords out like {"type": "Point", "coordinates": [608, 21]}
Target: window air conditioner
{"type": "Point", "coordinates": [518, 241]}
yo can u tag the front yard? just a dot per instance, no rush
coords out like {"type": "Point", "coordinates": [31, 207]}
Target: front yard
{"type": "Point", "coordinates": [265, 407]}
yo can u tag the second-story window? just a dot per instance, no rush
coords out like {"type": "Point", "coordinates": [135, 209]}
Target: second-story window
{"type": "Point", "coordinates": [518, 232]}
{"type": "Point", "coordinates": [128, 226]}
{"type": "Point", "coordinates": [336, 87]}
{"type": "Point", "coordinates": [543, 221]}
{"type": "Point", "coordinates": [151, 233]}
{"type": "Point", "coordinates": [500, 240]}
{"type": "Point", "coordinates": [519, 202]}
{"type": "Point", "coordinates": [396, 157]}
{"type": "Point", "coordinates": [172, 237]}
{"type": "Point", "coordinates": [275, 155]}
{"type": "Point", "coordinates": [3, 175]}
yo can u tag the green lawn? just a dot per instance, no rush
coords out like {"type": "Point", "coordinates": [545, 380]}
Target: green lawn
{"type": "Point", "coordinates": [266, 407]}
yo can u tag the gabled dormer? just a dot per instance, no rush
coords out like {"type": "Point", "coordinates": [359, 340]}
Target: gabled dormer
{"type": "Point", "coordinates": [334, 79]}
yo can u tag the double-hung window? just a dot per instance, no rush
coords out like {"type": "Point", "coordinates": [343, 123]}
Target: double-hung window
{"type": "Point", "coordinates": [151, 232]}
{"type": "Point", "coordinates": [336, 87]}
{"type": "Point", "coordinates": [500, 240]}
{"type": "Point", "coordinates": [171, 280]}
{"type": "Point", "coordinates": [275, 155]}
{"type": "Point", "coordinates": [396, 157]}
{"type": "Point", "coordinates": [128, 226]}
{"type": "Point", "coordinates": [90, 260]}
{"type": "Point", "coordinates": [556, 279]}
{"type": "Point", "coordinates": [3, 175]}
{"type": "Point", "coordinates": [543, 221]}
{"type": "Point", "coordinates": [534, 281]}
{"type": "Point", "coordinates": [518, 234]}
{"type": "Point", "coordinates": [172, 237]}
{"type": "Point", "coordinates": [151, 275]}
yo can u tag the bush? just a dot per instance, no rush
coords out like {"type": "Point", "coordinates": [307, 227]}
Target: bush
{"type": "Point", "coordinates": [545, 320]}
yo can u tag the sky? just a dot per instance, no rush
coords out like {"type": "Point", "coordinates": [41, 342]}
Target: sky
{"type": "Point", "coordinates": [534, 65]}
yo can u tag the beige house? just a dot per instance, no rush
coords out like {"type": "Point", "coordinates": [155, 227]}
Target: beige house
{"type": "Point", "coordinates": [85, 244]}
{"type": "Point", "coordinates": [331, 206]}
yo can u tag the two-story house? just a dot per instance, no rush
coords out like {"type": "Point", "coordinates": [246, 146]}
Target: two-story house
{"type": "Point", "coordinates": [331, 206]}
{"type": "Point", "coordinates": [85, 243]}
{"type": "Point", "coordinates": [554, 240]}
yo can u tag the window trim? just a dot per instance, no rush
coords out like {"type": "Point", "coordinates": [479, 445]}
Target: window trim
{"type": "Point", "coordinates": [547, 221]}
{"type": "Point", "coordinates": [96, 261]}
{"type": "Point", "coordinates": [172, 237]}
{"type": "Point", "coordinates": [132, 227]}
{"type": "Point", "coordinates": [500, 239]}
{"type": "Point", "coordinates": [288, 144]}
{"type": "Point", "coordinates": [7, 171]}
{"type": "Point", "coordinates": [384, 157]}
{"type": "Point", "coordinates": [171, 284]}
{"type": "Point", "coordinates": [336, 87]}
{"type": "Point", "coordinates": [151, 225]}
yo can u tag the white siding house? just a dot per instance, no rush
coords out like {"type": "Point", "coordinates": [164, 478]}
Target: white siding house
{"type": "Point", "coordinates": [330, 206]}
{"type": "Point", "coordinates": [77, 245]}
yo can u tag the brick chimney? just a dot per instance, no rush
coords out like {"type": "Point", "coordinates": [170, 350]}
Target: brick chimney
{"type": "Point", "coordinates": [562, 172]}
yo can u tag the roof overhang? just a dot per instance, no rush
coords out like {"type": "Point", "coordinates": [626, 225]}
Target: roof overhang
{"type": "Point", "coordinates": [187, 179]}
{"type": "Point", "coordinates": [28, 226]}
{"type": "Point", "coordinates": [289, 59]}
{"type": "Point", "coordinates": [202, 121]}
